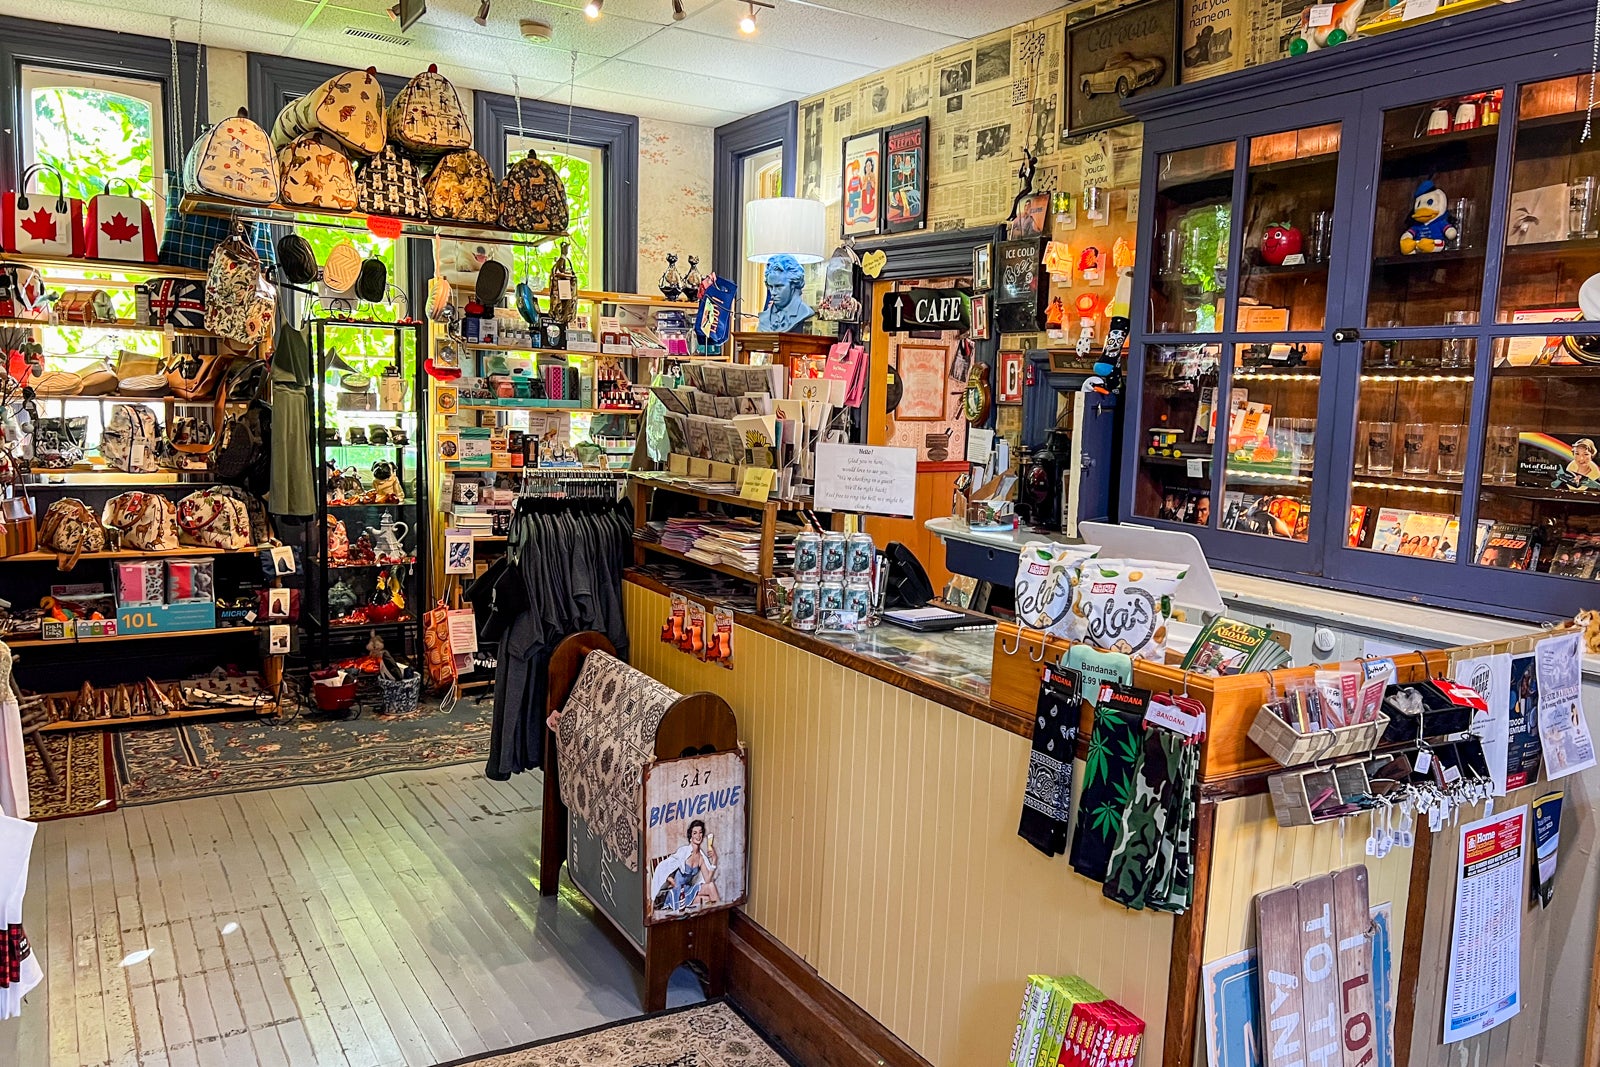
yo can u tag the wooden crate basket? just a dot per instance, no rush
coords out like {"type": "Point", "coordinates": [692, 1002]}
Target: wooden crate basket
{"type": "Point", "coordinates": [1291, 748]}
{"type": "Point", "coordinates": [1293, 792]}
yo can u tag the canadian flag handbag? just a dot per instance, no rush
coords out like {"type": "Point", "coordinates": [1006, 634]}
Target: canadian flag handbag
{"type": "Point", "coordinates": [40, 224]}
{"type": "Point", "coordinates": [118, 227]}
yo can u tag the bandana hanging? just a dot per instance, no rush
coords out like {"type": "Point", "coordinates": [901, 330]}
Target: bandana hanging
{"type": "Point", "coordinates": [1047, 801]}
{"type": "Point", "coordinates": [1108, 782]}
{"type": "Point", "coordinates": [1153, 866]}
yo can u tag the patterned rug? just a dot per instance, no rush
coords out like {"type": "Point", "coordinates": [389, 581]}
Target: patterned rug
{"type": "Point", "coordinates": [702, 1035]}
{"type": "Point", "coordinates": [85, 783]}
{"type": "Point", "coordinates": [206, 758]}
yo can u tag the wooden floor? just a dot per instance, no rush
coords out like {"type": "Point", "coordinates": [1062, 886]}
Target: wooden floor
{"type": "Point", "coordinates": [387, 921]}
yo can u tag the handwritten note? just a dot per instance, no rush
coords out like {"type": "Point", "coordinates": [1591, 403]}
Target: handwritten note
{"type": "Point", "coordinates": [757, 484]}
{"type": "Point", "coordinates": [874, 480]}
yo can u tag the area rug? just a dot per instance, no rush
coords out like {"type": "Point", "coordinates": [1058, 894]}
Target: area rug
{"type": "Point", "coordinates": [701, 1035]}
{"type": "Point", "coordinates": [200, 759]}
{"type": "Point", "coordinates": [85, 783]}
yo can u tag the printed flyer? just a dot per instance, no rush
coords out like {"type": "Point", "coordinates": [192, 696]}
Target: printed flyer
{"type": "Point", "coordinates": [1484, 985]}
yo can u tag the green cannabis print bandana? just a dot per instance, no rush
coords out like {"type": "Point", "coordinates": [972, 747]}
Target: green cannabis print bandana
{"type": "Point", "coordinates": [1152, 865]}
{"type": "Point", "coordinates": [1108, 782]}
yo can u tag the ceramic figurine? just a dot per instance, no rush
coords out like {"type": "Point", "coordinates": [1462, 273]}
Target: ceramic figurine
{"type": "Point", "coordinates": [786, 308]}
{"type": "Point", "coordinates": [341, 599]}
{"type": "Point", "coordinates": [1431, 225]}
{"type": "Point", "coordinates": [1340, 27]}
{"type": "Point", "coordinates": [1279, 242]}
{"type": "Point", "coordinates": [671, 284]}
{"type": "Point", "coordinates": [1056, 312]}
{"type": "Point", "coordinates": [1024, 175]}
{"type": "Point", "coordinates": [693, 280]}
{"type": "Point", "coordinates": [563, 279]}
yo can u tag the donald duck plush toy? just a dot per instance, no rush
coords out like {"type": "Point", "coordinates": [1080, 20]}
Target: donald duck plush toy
{"type": "Point", "coordinates": [1431, 225]}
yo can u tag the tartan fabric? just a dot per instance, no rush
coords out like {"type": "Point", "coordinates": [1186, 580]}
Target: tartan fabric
{"type": "Point", "coordinates": [189, 240]}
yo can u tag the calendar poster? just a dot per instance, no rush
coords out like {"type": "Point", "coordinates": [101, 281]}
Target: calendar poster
{"type": "Point", "coordinates": [1484, 986]}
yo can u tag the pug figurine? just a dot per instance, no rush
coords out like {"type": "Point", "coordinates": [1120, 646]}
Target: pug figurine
{"type": "Point", "coordinates": [386, 488]}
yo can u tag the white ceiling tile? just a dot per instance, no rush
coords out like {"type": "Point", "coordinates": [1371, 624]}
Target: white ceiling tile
{"type": "Point", "coordinates": [970, 19]}
{"type": "Point", "coordinates": [672, 111]}
{"type": "Point", "coordinates": [755, 62]}
{"type": "Point", "coordinates": [817, 31]}
{"type": "Point", "coordinates": [682, 86]}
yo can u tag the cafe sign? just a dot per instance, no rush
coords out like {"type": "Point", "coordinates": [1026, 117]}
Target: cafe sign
{"type": "Point", "coordinates": [926, 309]}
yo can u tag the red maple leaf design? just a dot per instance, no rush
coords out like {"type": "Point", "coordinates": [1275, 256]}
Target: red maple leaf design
{"type": "Point", "coordinates": [119, 229]}
{"type": "Point", "coordinates": [41, 225]}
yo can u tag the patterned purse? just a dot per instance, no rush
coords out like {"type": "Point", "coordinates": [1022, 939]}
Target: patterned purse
{"type": "Point", "coordinates": [239, 300]}
{"type": "Point", "coordinates": [532, 198]}
{"type": "Point", "coordinates": [148, 522]}
{"type": "Point", "coordinates": [233, 160]}
{"type": "Point", "coordinates": [390, 184]}
{"type": "Point", "coordinates": [426, 117]}
{"type": "Point", "coordinates": [348, 107]}
{"type": "Point", "coordinates": [462, 188]}
{"type": "Point", "coordinates": [314, 172]}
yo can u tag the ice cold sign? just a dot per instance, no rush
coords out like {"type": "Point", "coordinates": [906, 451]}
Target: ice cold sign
{"type": "Point", "coordinates": [870, 479]}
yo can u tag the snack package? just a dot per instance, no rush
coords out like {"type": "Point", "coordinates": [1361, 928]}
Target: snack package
{"type": "Point", "coordinates": [672, 629]}
{"type": "Point", "coordinates": [1124, 605]}
{"type": "Point", "coordinates": [1046, 575]}
{"type": "Point", "coordinates": [189, 579]}
{"type": "Point", "coordinates": [140, 581]}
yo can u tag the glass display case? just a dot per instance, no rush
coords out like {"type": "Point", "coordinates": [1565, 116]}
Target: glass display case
{"type": "Point", "coordinates": [1355, 360]}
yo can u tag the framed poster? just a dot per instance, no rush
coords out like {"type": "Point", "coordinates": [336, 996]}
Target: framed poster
{"type": "Point", "coordinates": [1018, 287]}
{"type": "Point", "coordinates": [905, 201]}
{"type": "Point", "coordinates": [922, 387]}
{"type": "Point", "coordinates": [696, 822]}
{"type": "Point", "coordinates": [1132, 50]}
{"type": "Point", "coordinates": [1010, 391]}
{"type": "Point", "coordinates": [862, 182]}
{"type": "Point", "coordinates": [980, 317]}
{"type": "Point", "coordinates": [983, 268]}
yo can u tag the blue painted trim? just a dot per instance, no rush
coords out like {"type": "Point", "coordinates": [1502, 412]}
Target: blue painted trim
{"type": "Point", "coordinates": [776, 126]}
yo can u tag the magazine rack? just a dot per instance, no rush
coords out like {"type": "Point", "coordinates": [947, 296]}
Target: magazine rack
{"type": "Point", "coordinates": [696, 724]}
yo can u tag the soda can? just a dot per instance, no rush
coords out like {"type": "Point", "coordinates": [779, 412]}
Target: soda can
{"type": "Point", "coordinates": [833, 545]}
{"type": "Point", "coordinates": [858, 598]}
{"type": "Point", "coordinates": [859, 553]}
{"type": "Point", "coordinates": [807, 556]}
{"type": "Point", "coordinates": [830, 596]}
{"type": "Point", "coordinates": [803, 608]}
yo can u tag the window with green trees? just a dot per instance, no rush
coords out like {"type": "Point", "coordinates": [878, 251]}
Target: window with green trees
{"type": "Point", "coordinates": [581, 170]}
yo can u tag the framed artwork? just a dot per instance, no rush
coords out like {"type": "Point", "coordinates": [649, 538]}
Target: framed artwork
{"type": "Point", "coordinates": [862, 183]}
{"type": "Point", "coordinates": [1018, 287]}
{"type": "Point", "coordinates": [922, 383]}
{"type": "Point", "coordinates": [1130, 51]}
{"type": "Point", "coordinates": [698, 865]}
{"type": "Point", "coordinates": [980, 317]}
{"type": "Point", "coordinates": [1033, 217]}
{"type": "Point", "coordinates": [983, 268]}
{"type": "Point", "coordinates": [1010, 391]}
{"type": "Point", "coordinates": [905, 201]}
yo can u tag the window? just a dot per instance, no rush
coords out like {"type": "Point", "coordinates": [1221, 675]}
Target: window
{"type": "Point", "coordinates": [761, 177]}
{"type": "Point", "coordinates": [582, 171]}
{"type": "Point", "coordinates": [93, 129]}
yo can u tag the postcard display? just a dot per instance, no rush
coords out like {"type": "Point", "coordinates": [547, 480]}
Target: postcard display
{"type": "Point", "coordinates": [1344, 364]}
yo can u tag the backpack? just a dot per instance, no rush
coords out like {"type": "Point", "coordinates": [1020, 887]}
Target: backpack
{"type": "Point", "coordinates": [258, 527]}
{"type": "Point", "coordinates": [69, 529]}
{"type": "Point", "coordinates": [148, 522]}
{"type": "Point", "coordinates": [314, 172]}
{"type": "Point", "coordinates": [129, 440]}
{"type": "Point", "coordinates": [348, 106]}
{"type": "Point", "coordinates": [239, 299]}
{"type": "Point", "coordinates": [233, 160]}
{"type": "Point", "coordinates": [426, 117]}
{"type": "Point", "coordinates": [390, 184]}
{"type": "Point", "coordinates": [461, 188]}
{"type": "Point", "coordinates": [240, 447]}
{"type": "Point", "coordinates": [532, 198]}
{"type": "Point", "coordinates": [210, 518]}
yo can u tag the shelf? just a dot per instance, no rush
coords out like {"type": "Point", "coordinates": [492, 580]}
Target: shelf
{"type": "Point", "coordinates": [1191, 192]}
{"type": "Point", "coordinates": [720, 568]}
{"type": "Point", "coordinates": [1555, 495]}
{"type": "Point", "coordinates": [258, 710]}
{"type": "Point", "coordinates": [599, 296]}
{"type": "Point", "coordinates": [39, 642]}
{"type": "Point", "coordinates": [1450, 256]}
{"type": "Point", "coordinates": [216, 207]}
{"type": "Point", "coordinates": [1231, 476]}
{"type": "Point", "coordinates": [1549, 370]}
{"type": "Point", "coordinates": [109, 266]}
{"type": "Point", "coordinates": [1591, 245]}
{"type": "Point", "coordinates": [724, 498]}
{"type": "Point", "coordinates": [118, 398]}
{"type": "Point", "coordinates": [187, 551]}
{"type": "Point", "coordinates": [409, 561]}
{"type": "Point", "coordinates": [359, 627]}
{"type": "Point", "coordinates": [389, 504]}
{"type": "Point", "coordinates": [632, 353]}
{"type": "Point", "coordinates": [119, 324]}
{"type": "Point", "coordinates": [1478, 134]}
{"type": "Point", "coordinates": [551, 407]}
{"type": "Point", "coordinates": [1279, 166]}
{"type": "Point", "coordinates": [1267, 270]}
{"type": "Point", "coordinates": [1287, 374]}
{"type": "Point", "coordinates": [1408, 483]}
{"type": "Point", "coordinates": [1400, 374]}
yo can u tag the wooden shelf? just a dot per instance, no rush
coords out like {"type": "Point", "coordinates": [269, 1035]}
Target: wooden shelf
{"type": "Point", "coordinates": [1432, 258]}
{"type": "Point", "coordinates": [119, 324]}
{"type": "Point", "coordinates": [724, 498]}
{"type": "Point", "coordinates": [109, 266]}
{"type": "Point", "coordinates": [599, 296]}
{"type": "Point", "coordinates": [1484, 135]}
{"type": "Point", "coordinates": [118, 398]}
{"type": "Point", "coordinates": [185, 551]}
{"type": "Point", "coordinates": [216, 207]}
{"type": "Point", "coordinates": [551, 407]}
{"type": "Point", "coordinates": [720, 568]}
{"type": "Point", "coordinates": [261, 710]}
{"type": "Point", "coordinates": [1562, 496]}
{"type": "Point", "coordinates": [1550, 370]}
{"type": "Point", "coordinates": [1589, 245]}
{"type": "Point", "coordinates": [39, 642]}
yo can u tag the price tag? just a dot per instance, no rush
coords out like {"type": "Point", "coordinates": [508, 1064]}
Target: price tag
{"type": "Point", "coordinates": [757, 484]}
{"type": "Point", "coordinates": [1418, 9]}
{"type": "Point", "coordinates": [563, 289]}
{"type": "Point", "coordinates": [280, 639]}
{"type": "Point", "coordinates": [1424, 761]}
{"type": "Point", "coordinates": [1321, 15]}
{"type": "Point", "coordinates": [1197, 468]}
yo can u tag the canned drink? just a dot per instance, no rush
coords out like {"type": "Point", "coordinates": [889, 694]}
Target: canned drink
{"type": "Point", "coordinates": [807, 556]}
{"type": "Point", "coordinates": [859, 552]}
{"type": "Point", "coordinates": [830, 596]}
{"type": "Point", "coordinates": [803, 608]}
{"type": "Point", "coordinates": [858, 598]}
{"type": "Point", "coordinates": [833, 546]}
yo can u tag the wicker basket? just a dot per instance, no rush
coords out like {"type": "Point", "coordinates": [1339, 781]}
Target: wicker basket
{"type": "Point", "coordinates": [1293, 792]}
{"type": "Point", "coordinates": [1291, 748]}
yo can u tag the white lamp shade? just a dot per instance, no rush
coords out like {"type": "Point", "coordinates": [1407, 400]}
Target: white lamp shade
{"type": "Point", "coordinates": [784, 225]}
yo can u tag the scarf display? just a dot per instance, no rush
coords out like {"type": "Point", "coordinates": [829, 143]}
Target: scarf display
{"type": "Point", "coordinates": [1153, 863]}
{"type": "Point", "coordinates": [1108, 783]}
{"type": "Point", "coordinates": [1047, 801]}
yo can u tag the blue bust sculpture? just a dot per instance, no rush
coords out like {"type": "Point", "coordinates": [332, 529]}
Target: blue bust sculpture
{"type": "Point", "coordinates": [785, 308]}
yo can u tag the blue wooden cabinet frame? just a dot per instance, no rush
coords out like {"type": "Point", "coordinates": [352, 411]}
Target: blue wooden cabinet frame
{"type": "Point", "coordinates": [1505, 46]}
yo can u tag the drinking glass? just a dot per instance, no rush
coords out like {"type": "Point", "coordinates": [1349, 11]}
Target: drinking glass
{"type": "Point", "coordinates": [1302, 442]}
{"type": "Point", "coordinates": [1580, 208]}
{"type": "Point", "coordinates": [1321, 236]}
{"type": "Point", "coordinates": [1464, 213]}
{"type": "Point", "coordinates": [1414, 446]}
{"type": "Point", "coordinates": [1500, 465]}
{"type": "Point", "coordinates": [1171, 254]}
{"type": "Point", "coordinates": [1455, 353]}
{"type": "Point", "coordinates": [1450, 439]}
{"type": "Point", "coordinates": [1362, 430]}
{"type": "Point", "coordinates": [1380, 447]}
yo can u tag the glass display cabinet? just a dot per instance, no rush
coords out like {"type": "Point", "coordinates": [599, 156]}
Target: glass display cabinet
{"type": "Point", "coordinates": [1356, 357]}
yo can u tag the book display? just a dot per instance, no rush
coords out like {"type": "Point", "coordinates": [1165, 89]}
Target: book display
{"type": "Point", "coordinates": [1358, 342]}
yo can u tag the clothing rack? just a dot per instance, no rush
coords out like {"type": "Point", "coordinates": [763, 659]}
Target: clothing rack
{"type": "Point", "coordinates": [572, 483]}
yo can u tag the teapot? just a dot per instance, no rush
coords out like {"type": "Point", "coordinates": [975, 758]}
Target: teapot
{"type": "Point", "coordinates": [388, 537]}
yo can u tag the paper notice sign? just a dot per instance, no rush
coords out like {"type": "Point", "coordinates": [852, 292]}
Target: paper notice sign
{"type": "Point", "coordinates": [757, 483]}
{"type": "Point", "coordinates": [874, 480]}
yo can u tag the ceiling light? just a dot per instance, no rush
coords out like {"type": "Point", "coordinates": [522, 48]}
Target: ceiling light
{"type": "Point", "coordinates": [592, 8]}
{"type": "Point", "coordinates": [482, 17]}
{"type": "Point", "coordinates": [534, 30]}
{"type": "Point", "coordinates": [748, 23]}
{"type": "Point", "coordinates": [677, 10]}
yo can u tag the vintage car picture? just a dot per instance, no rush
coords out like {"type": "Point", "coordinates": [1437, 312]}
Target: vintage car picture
{"type": "Point", "coordinates": [1133, 50]}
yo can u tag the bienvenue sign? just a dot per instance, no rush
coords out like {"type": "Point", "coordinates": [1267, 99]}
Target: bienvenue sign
{"type": "Point", "coordinates": [925, 309]}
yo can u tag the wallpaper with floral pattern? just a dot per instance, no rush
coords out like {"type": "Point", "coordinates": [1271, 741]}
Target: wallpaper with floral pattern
{"type": "Point", "coordinates": [674, 197]}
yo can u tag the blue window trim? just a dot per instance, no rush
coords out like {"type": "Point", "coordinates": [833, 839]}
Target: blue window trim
{"type": "Point", "coordinates": [755, 133]}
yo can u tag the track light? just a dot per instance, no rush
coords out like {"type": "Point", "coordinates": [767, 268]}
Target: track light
{"type": "Point", "coordinates": [482, 17]}
{"type": "Point", "coordinates": [592, 8]}
{"type": "Point", "coordinates": [677, 10]}
{"type": "Point", "coordinates": [748, 23]}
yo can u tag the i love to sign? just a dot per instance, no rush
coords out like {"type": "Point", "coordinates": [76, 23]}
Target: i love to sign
{"type": "Point", "coordinates": [1317, 1002]}
{"type": "Point", "coordinates": [925, 309]}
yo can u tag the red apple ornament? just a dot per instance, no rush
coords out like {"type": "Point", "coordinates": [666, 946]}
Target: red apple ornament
{"type": "Point", "coordinates": [1279, 242]}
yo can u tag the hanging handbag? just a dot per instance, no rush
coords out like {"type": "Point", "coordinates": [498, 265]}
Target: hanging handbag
{"type": "Point", "coordinates": [461, 188]}
{"type": "Point", "coordinates": [119, 227]}
{"type": "Point", "coordinates": [426, 117]}
{"type": "Point", "coordinates": [196, 376]}
{"type": "Point", "coordinates": [189, 240]}
{"type": "Point", "coordinates": [348, 107]}
{"type": "Point", "coordinates": [233, 160]}
{"type": "Point", "coordinates": [439, 663]}
{"type": "Point", "coordinates": [390, 184]}
{"type": "Point", "coordinates": [128, 443]}
{"type": "Point", "coordinates": [532, 198]}
{"type": "Point", "coordinates": [69, 529]}
{"type": "Point", "coordinates": [240, 302]}
{"type": "Point", "coordinates": [18, 527]}
{"type": "Point", "coordinates": [36, 223]}
{"type": "Point", "coordinates": [22, 294]}
{"type": "Point", "coordinates": [314, 172]}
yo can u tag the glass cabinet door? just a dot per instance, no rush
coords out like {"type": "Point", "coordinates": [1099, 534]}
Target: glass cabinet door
{"type": "Point", "coordinates": [1435, 181]}
{"type": "Point", "coordinates": [1288, 230]}
{"type": "Point", "coordinates": [1193, 215]}
{"type": "Point", "coordinates": [1272, 438]}
{"type": "Point", "coordinates": [1179, 426]}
